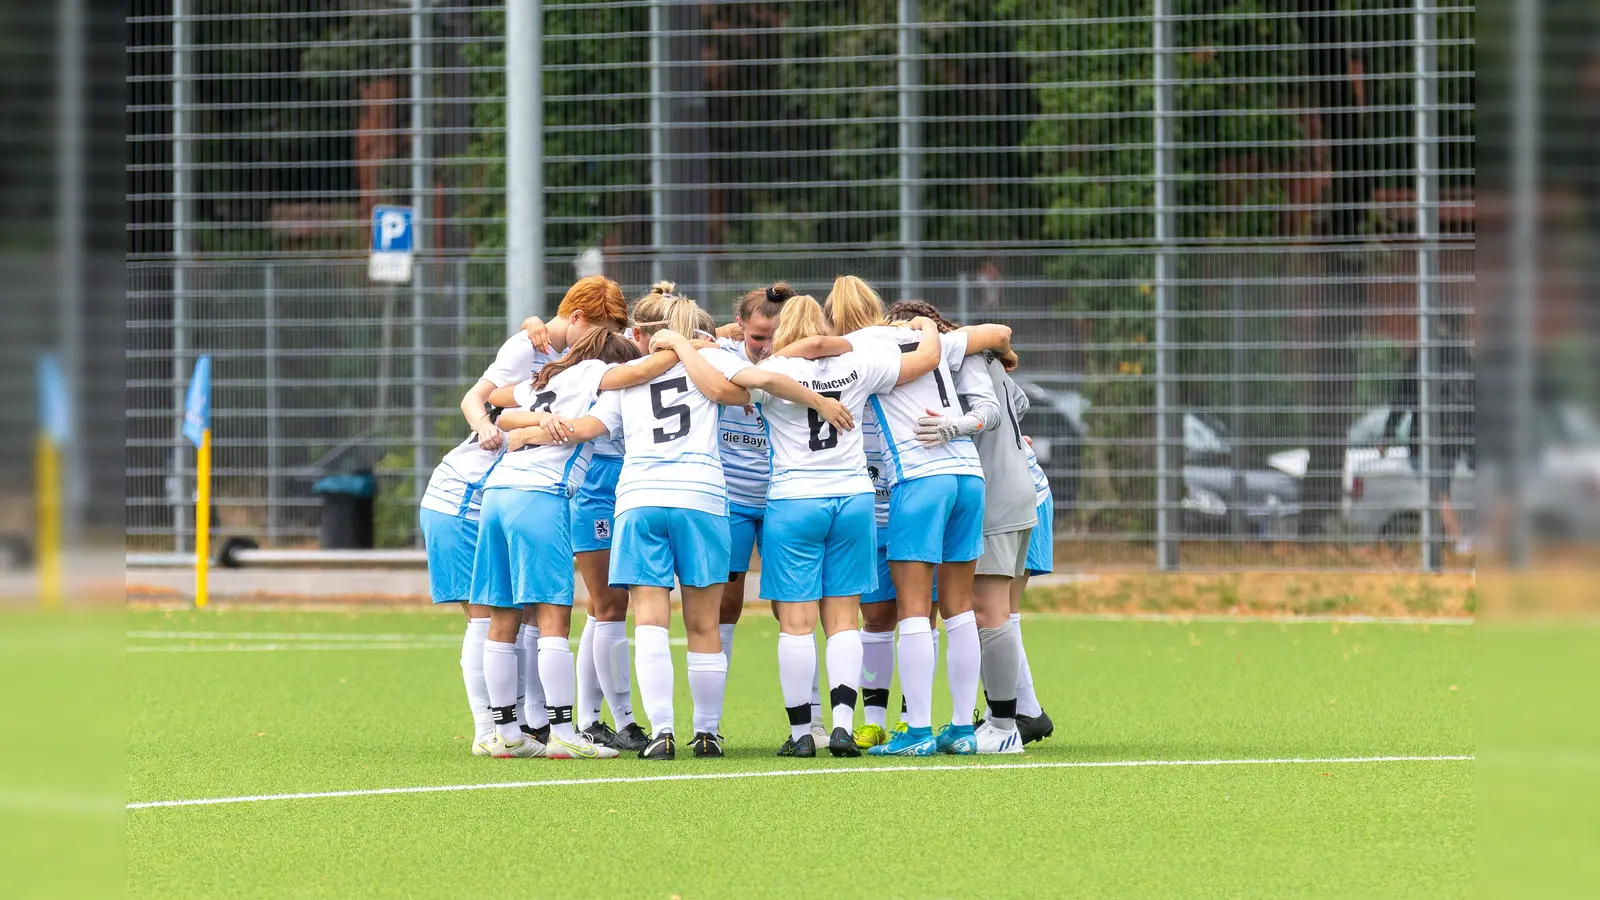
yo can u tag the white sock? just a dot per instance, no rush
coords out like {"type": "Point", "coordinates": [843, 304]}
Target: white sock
{"type": "Point", "coordinates": [533, 711]}
{"type": "Point", "coordinates": [708, 682]}
{"type": "Point", "coordinates": [586, 708]}
{"type": "Point", "coordinates": [797, 666]}
{"type": "Point", "coordinates": [501, 678]}
{"type": "Point", "coordinates": [726, 632]}
{"type": "Point", "coordinates": [652, 656]}
{"type": "Point", "coordinates": [916, 671]}
{"type": "Point", "coordinates": [877, 669]}
{"type": "Point", "coordinates": [816, 695]}
{"type": "Point", "coordinates": [844, 674]}
{"type": "Point", "coordinates": [962, 664]}
{"type": "Point", "coordinates": [1027, 703]}
{"type": "Point", "coordinates": [472, 674]}
{"type": "Point", "coordinates": [611, 665]}
{"type": "Point", "coordinates": [557, 678]}
{"type": "Point", "coordinates": [934, 633]}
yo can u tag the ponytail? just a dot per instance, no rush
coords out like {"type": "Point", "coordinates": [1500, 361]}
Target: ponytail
{"type": "Point", "coordinates": [593, 346]}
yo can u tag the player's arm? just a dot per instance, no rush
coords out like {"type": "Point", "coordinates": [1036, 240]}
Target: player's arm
{"type": "Point", "coordinates": [504, 397]}
{"type": "Point", "coordinates": [472, 409]}
{"type": "Point", "coordinates": [521, 418]}
{"type": "Point", "coordinates": [656, 364]}
{"type": "Point", "coordinates": [585, 428]}
{"type": "Point", "coordinates": [712, 383]}
{"type": "Point", "coordinates": [993, 338]}
{"type": "Point", "coordinates": [816, 347]}
{"type": "Point", "coordinates": [925, 358]}
{"type": "Point", "coordinates": [976, 390]}
{"type": "Point", "coordinates": [785, 388]}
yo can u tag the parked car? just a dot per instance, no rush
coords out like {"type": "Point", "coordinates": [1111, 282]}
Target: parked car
{"type": "Point", "coordinates": [1055, 424]}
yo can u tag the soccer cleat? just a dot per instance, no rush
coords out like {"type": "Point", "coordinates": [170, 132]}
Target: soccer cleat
{"type": "Point", "coordinates": [540, 734]}
{"type": "Point", "coordinates": [527, 748]}
{"type": "Point", "coordinates": [582, 748]}
{"type": "Point", "coordinates": [911, 742]}
{"type": "Point", "coordinates": [630, 739]}
{"type": "Point", "coordinates": [805, 747]}
{"type": "Point", "coordinates": [992, 740]}
{"type": "Point", "coordinates": [1035, 728]}
{"type": "Point", "coordinates": [480, 746]}
{"type": "Point", "coordinates": [600, 734]}
{"type": "Point", "coordinates": [868, 736]}
{"type": "Point", "coordinates": [706, 745]}
{"type": "Point", "coordinates": [842, 743]}
{"type": "Point", "coordinates": [819, 734]}
{"type": "Point", "coordinates": [662, 747]}
{"type": "Point", "coordinates": [958, 740]}
{"type": "Point", "coordinates": [900, 727]}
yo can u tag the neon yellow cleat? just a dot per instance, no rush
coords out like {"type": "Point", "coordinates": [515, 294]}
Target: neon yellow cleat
{"type": "Point", "coordinates": [868, 736]}
{"type": "Point", "coordinates": [900, 727]}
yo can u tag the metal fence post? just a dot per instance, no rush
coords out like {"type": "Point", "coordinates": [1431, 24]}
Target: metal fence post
{"type": "Point", "coordinates": [524, 161]}
{"type": "Point", "coordinates": [909, 70]}
{"type": "Point", "coordinates": [420, 231]}
{"type": "Point", "coordinates": [1167, 437]}
{"type": "Point", "coordinates": [70, 132]}
{"type": "Point", "coordinates": [180, 254]}
{"type": "Point", "coordinates": [658, 145]}
{"type": "Point", "coordinates": [1526, 20]}
{"type": "Point", "coordinates": [461, 322]}
{"type": "Point", "coordinates": [269, 346]}
{"type": "Point", "coordinates": [1427, 208]}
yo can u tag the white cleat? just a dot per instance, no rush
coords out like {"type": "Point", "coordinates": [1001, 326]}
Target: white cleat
{"type": "Point", "coordinates": [578, 748]}
{"type": "Point", "coordinates": [480, 746]}
{"type": "Point", "coordinates": [993, 740]}
{"type": "Point", "coordinates": [819, 735]}
{"type": "Point", "coordinates": [527, 748]}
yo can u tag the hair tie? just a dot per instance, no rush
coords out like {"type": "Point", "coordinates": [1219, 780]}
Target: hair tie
{"type": "Point", "coordinates": [649, 324]}
{"type": "Point", "coordinates": [772, 296]}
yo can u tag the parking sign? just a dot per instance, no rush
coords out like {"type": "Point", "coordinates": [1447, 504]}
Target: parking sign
{"type": "Point", "coordinates": [392, 240]}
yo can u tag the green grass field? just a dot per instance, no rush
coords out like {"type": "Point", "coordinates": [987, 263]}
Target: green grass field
{"type": "Point", "coordinates": [212, 713]}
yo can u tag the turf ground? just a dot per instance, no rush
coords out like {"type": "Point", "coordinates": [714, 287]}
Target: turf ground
{"type": "Point", "coordinates": [231, 704]}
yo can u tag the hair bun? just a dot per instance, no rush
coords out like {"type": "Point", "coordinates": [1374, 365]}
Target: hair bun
{"type": "Point", "coordinates": [663, 287]}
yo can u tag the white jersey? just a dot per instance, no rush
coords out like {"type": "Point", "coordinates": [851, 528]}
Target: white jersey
{"type": "Point", "coordinates": [556, 468]}
{"type": "Point", "coordinates": [671, 431]}
{"type": "Point", "coordinates": [516, 362]}
{"type": "Point", "coordinates": [899, 409]}
{"type": "Point", "coordinates": [456, 488]}
{"type": "Point", "coordinates": [877, 466]}
{"type": "Point", "coordinates": [811, 458]}
{"type": "Point", "coordinates": [1041, 484]}
{"type": "Point", "coordinates": [742, 441]}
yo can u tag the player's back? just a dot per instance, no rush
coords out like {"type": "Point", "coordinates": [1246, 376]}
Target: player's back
{"type": "Point", "coordinates": [554, 468]}
{"type": "Point", "coordinates": [742, 441]}
{"type": "Point", "coordinates": [810, 457]}
{"type": "Point", "coordinates": [899, 408]}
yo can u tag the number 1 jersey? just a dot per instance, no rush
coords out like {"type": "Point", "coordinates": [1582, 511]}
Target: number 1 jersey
{"type": "Point", "coordinates": [669, 430]}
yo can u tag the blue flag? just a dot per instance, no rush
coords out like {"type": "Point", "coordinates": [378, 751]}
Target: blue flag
{"type": "Point", "coordinates": [54, 414]}
{"type": "Point", "coordinates": [197, 409]}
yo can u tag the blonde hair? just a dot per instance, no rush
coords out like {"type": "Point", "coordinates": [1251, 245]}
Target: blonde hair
{"type": "Point", "coordinates": [649, 311]}
{"type": "Point", "coordinates": [704, 321]}
{"type": "Point", "coordinates": [853, 305]}
{"type": "Point", "coordinates": [599, 299]}
{"type": "Point", "coordinates": [801, 318]}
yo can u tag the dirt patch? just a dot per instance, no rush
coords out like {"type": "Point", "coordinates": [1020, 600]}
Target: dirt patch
{"type": "Point", "coordinates": [1262, 593]}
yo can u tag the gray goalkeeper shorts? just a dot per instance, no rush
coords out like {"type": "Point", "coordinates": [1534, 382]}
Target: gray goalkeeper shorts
{"type": "Point", "coordinates": [1005, 553]}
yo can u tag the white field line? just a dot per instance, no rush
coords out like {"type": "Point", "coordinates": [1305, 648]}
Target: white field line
{"type": "Point", "coordinates": [258, 642]}
{"type": "Point", "coordinates": [800, 773]}
{"type": "Point", "coordinates": [286, 636]}
{"type": "Point", "coordinates": [273, 648]}
{"type": "Point", "coordinates": [1223, 618]}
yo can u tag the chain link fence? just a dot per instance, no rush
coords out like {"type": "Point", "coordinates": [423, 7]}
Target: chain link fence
{"type": "Point", "coordinates": [1230, 236]}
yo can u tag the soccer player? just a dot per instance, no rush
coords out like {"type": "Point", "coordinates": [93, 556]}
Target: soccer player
{"type": "Point", "coordinates": [935, 516]}
{"type": "Point", "coordinates": [672, 511]}
{"type": "Point", "coordinates": [1009, 518]}
{"type": "Point", "coordinates": [524, 552]}
{"type": "Point", "coordinates": [820, 525]}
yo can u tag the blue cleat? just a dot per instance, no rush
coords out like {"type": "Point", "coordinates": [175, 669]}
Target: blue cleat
{"type": "Point", "coordinates": [961, 740]}
{"type": "Point", "coordinates": [911, 742]}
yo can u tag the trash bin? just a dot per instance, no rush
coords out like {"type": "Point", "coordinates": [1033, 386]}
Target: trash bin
{"type": "Point", "coordinates": [346, 510]}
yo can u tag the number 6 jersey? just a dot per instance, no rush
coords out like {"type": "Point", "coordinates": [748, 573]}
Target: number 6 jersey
{"type": "Point", "coordinates": [811, 458]}
{"type": "Point", "coordinates": [670, 432]}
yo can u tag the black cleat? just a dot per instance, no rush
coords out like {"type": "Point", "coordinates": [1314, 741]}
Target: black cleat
{"type": "Point", "coordinates": [630, 739]}
{"type": "Point", "coordinates": [540, 734]}
{"type": "Point", "coordinates": [1035, 728]}
{"type": "Point", "coordinates": [842, 743]}
{"type": "Point", "coordinates": [662, 747]}
{"type": "Point", "coordinates": [600, 734]}
{"type": "Point", "coordinates": [706, 745]}
{"type": "Point", "coordinates": [804, 747]}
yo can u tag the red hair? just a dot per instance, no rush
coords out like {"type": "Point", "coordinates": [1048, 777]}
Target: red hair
{"type": "Point", "coordinates": [599, 299]}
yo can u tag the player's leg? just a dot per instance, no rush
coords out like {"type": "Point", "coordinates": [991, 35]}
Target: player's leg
{"type": "Point", "coordinates": [646, 567]}
{"type": "Point", "coordinates": [609, 607]}
{"type": "Point", "coordinates": [848, 570]}
{"type": "Point", "coordinates": [878, 620]}
{"type": "Point", "coordinates": [1033, 723]}
{"type": "Point", "coordinates": [700, 548]}
{"type": "Point", "coordinates": [745, 525]}
{"type": "Point", "coordinates": [451, 542]}
{"type": "Point", "coordinates": [556, 673]}
{"type": "Point", "coordinates": [1004, 560]}
{"type": "Point", "coordinates": [797, 672]}
{"type": "Point", "coordinates": [492, 589]}
{"type": "Point", "coordinates": [791, 580]}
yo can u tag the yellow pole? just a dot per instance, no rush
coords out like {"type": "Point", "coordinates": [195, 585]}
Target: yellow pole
{"type": "Point", "coordinates": [47, 523]}
{"type": "Point", "coordinates": [202, 519]}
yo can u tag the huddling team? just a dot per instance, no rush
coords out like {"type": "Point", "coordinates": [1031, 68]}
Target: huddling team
{"type": "Point", "coordinates": [874, 458]}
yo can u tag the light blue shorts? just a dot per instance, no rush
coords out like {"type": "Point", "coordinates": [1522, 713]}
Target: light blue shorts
{"type": "Point", "coordinates": [450, 541]}
{"type": "Point", "coordinates": [744, 535]}
{"type": "Point", "coordinates": [524, 549]}
{"type": "Point", "coordinates": [821, 547]}
{"type": "Point", "coordinates": [1042, 543]}
{"type": "Point", "coordinates": [884, 592]}
{"type": "Point", "coordinates": [936, 519]}
{"type": "Point", "coordinates": [594, 507]}
{"type": "Point", "coordinates": [656, 543]}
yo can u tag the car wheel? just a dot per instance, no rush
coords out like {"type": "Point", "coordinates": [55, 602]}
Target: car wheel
{"type": "Point", "coordinates": [1401, 531]}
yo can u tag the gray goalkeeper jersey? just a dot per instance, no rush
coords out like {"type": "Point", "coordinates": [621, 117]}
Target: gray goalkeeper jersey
{"type": "Point", "coordinates": [1009, 503]}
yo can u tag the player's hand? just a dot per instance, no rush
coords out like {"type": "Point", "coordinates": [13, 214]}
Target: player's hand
{"type": "Point", "coordinates": [538, 334]}
{"type": "Point", "coordinates": [1028, 439]}
{"type": "Point", "coordinates": [559, 429]}
{"type": "Point", "coordinates": [1008, 359]}
{"type": "Point", "coordinates": [935, 428]}
{"type": "Point", "coordinates": [834, 413]}
{"type": "Point", "coordinates": [923, 323]}
{"type": "Point", "coordinates": [731, 331]}
{"type": "Point", "coordinates": [667, 339]}
{"type": "Point", "coordinates": [489, 434]}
